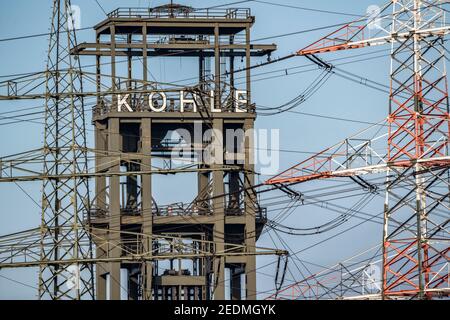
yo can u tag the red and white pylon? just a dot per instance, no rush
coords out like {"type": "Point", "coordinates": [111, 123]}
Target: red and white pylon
{"type": "Point", "coordinates": [416, 161]}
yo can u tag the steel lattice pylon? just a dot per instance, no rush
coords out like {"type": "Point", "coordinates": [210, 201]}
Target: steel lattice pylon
{"type": "Point", "coordinates": [417, 202]}
{"type": "Point", "coordinates": [64, 200]}
{"type": "Point", "coordinates": [418, 128]}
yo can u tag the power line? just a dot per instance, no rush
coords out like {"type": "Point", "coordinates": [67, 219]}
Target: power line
{"type": "Point", "coordinates": [36, 35]}
{"type": "Point", "coordinates": [101, 8]}
{"type": "Point", "coordinates": [224, 5]}
{"type": "Point", "coordinates": [308, 9]}
{"type": "Point", "coordinates": [364, 82]}
{"type": "Point", "coordinates": [18, 282]}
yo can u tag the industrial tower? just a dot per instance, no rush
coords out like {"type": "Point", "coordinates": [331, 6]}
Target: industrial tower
{"type": "Point", "coordinates": [139, 124]}
{"type": "Point", "coordinates": [64, 199]}
{"type": "Point", "coordinates": [174, 251]}
{"type": "Point", "coordinates": [416, 161]}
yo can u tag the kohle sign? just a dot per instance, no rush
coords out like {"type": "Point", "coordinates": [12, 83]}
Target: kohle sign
{"type": "Point", "coordinates": [240, 98]}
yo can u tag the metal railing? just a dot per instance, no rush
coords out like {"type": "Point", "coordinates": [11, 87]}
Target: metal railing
{"type": "Point", "coordinates": [182, 13]}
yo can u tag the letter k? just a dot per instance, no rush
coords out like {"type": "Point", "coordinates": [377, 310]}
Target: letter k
{"type": "Point", "coordinates": [123, 102]}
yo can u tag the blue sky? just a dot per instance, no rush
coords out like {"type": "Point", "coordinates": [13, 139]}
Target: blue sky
{"type": "Point", "coordinates": [337, 98]}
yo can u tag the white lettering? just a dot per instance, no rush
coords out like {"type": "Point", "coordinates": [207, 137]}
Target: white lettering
{"type": "Point", "coordinates": [123, 102]}
{"type": "Point", "coordinates": [213, 109]}
{"type": "Point", "coordinates": [191, 310]}
{"type": "Point", "coordinates": [239, 100]}
{"type": "Point", "coordinates": [184, 101]}
{"type": "Point", "coordinates": [164, 101]}
{"type": "Point", "coordinates": [157, 102]}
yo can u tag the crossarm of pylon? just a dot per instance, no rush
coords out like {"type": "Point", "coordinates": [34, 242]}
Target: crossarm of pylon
{"type": "Point", "coordinates": [295, 174]}
{"type": "Point", "coordinates": [36, 176]}
{"type": "Point", "coordinates": [345, 37]}
{"type": "Point", "coordinates": [32, 87]}
{"type": "Point", "coordinates": [358, 154]}
{"type": "Point", "coordinates": [352, 37]}
{"type": "Point", "coordinates": [366, 32]}
{"type": "Point", "coordinates": [28, 166]}
{"type": "Point", "coordinates": [22, 249]}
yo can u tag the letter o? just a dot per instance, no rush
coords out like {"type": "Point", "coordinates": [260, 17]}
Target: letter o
{"type": "Point", "coordinates": [164, 104]}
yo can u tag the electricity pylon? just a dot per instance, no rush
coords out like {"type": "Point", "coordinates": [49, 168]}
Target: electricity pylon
{"type": "Point", "coordinates": [64, 199]}
{"type": "Point", "coordinates": [417, 202]}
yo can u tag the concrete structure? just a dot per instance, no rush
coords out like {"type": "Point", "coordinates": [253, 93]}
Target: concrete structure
{"type": "Point", "coordinates": [225, 209]}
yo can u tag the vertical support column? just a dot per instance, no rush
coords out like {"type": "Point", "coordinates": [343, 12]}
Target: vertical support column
{"type": "Point", "coordinates": [100, 207]}
{"type": "Point", "coordinates": [232, 88]}
{"type": "Point", "coordinates": [217, 93]}
{"type": "Point", "coordinates": [247, 65]}
{"type": "Point", "coordinates": [130, 61]}
{"type": "Point", "coordinates": [100, 271]}
{"type": "Point", "coordinates": [202, 71]}
{"type": "Point", "coordinates": [217, 179]}
{"type": "Point", "coordinates": [146, 194]}
{"type": "Point", "coordinates": [114, 208]}
{"type": "Point", "coordinates": [203, 180]}
{"type": "Point", "coordinates": [133, 284]}
{"type": "Point", "coordinates": [385, 242]}
{"type": "Point", "coordinates": [131, 200]}
{"type": "Point", "coordinates": [219, 209]}
{"type": "Point", "coordinates": [130, 70]}
{"type": "Point", "coordinates": [419, 178]}
{"type": "Point", "coordinates": [100, 181]}
{"type": "Point", "coordinates": [144, 56]}
{"type": "Point", "coordinates": [201, 68]}
{"type": "Point", "coordinates": [98, 71]}
{"type": "Point", "coordinates": [236, 283]}
{"type": "Point", "coordinates": [100, 185]}
{"type": "Point", "coordinates": [233, 189]}
{"type": "Point", "coordinates": [250, 212]}
{"type": "Point", "coordinates": [113, 62]}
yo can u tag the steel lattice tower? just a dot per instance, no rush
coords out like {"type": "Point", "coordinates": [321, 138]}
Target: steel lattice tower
{"type": "Point", "coordinates": [64, 200]}
{"type": "Point", "coordinates": [417, 206]}
{"type": "Point", "coordinates": [418, 129]}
